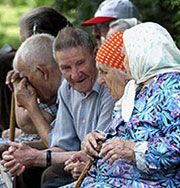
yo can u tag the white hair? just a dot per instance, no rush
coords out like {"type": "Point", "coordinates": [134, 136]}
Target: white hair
{"type": "Point", "coordinates": [35, 50]}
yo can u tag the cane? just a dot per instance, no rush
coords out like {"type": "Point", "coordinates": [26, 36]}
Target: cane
{"type": "Point", "coordinates": [87, 167]}
{"type": "Point", "coordinates": [12, 124]}
{"type": "Point", "coordinates": [6, 178]}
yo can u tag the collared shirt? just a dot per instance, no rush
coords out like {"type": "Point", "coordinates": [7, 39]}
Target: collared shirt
{"type": "Point", "coordinates": [79, 114]}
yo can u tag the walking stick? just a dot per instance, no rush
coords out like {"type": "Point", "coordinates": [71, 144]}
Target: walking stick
{"type": "Point", "coordinates": [5, 176]}
{"type": "Point", "coordinates": [87, 167]}
{"type": "Point", "coordinates": [12, 119]}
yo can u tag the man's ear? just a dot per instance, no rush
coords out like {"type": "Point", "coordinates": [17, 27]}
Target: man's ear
{"type": "Point", "coordinates": [43, 69]}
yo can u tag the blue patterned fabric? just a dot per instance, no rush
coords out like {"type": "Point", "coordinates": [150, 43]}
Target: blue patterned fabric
{"type": "Point", "coordinates": [155, 119]}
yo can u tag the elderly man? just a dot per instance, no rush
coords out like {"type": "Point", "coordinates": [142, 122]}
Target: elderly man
{"type": "Point", "coordinates": [85, 106]}
{"type": "Point", "coordinates": [107, 12]}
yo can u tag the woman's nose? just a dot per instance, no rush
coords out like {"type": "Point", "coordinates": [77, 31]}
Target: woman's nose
{"type": "Point", "coordinates": [101, 80]}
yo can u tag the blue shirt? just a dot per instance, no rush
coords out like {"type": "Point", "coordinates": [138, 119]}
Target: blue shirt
{"type": "Point", "coordinates": [79, 114]}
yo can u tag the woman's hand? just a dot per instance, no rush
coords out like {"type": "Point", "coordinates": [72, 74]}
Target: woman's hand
{"type": "Point", "coordinates": [117, 149]}
{"type": "Point", "coordinates": [90, 143]}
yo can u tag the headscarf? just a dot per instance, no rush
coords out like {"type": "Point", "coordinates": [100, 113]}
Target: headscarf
{"type": "Point", "coordinates": [110, 52]}
{"type": "Point", "coordinates": [151, 51]}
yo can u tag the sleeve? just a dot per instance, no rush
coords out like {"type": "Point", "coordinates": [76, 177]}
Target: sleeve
{"type": "Point", "coordinates": [163, 151]}
{"type": "Point", "coordinates": [63, 134]}
{"type": "Point", "coordinates": [106, 110]}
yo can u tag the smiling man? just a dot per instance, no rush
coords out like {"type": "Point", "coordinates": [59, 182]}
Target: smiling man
{"type": "Point", "coordinates": [85, 105]}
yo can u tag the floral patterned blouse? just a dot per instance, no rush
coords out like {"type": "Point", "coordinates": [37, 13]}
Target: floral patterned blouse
{"type": "Point", "coordinates": [155, 121]}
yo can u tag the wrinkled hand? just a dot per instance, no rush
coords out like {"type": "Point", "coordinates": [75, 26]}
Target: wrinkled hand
{"type": "Point", "coordinates": [25, 94]}
{"type": "Point", "coordinates": [117, 149]}
{"type": "Point", "coordinates": [17, 158]}
{"type": "Point", "coordinates": [10, 164]}
{"type": "Point", "coordinates": [90, 143]}
{"type": "Point", "coordinates": [11, 77]}
{"type": "Point", "coordinates": [76, 164]}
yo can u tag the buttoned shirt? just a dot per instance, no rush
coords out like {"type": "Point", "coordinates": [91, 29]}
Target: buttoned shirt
{"type": "Point", "coordinates": [79, 114]}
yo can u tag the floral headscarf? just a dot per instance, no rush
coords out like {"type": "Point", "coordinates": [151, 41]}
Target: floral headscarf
{"type": "Point", "coordinates": [151, 51]}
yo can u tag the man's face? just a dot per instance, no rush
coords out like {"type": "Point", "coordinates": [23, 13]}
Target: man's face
{"type": "Point", "coordinates": [78, 67]}
{"type": "Point", "coordinates": [100, 30]}
{"type": "Point", "coordinates": [37, 80]}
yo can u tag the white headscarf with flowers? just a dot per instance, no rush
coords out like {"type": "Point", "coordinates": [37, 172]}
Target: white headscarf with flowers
{"type": "Point", "coordinates": [151, 51]}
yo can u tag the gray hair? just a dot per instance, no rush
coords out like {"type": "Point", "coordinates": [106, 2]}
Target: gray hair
{"type": "Point", "coordinates": [121, 25]}
{"type": "Point", "coordinates": [128, 23]}
{"type": "Point", "coordinates": [70, 37]}
{"type": "Point", "coordinates": [37, 49]}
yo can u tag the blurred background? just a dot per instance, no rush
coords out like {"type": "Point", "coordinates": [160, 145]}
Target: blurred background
{"type": "Point", "coordinates": [164, 12]}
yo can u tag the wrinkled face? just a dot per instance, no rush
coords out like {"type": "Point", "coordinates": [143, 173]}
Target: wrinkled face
{"type": "Point", "coordinates": [113, 79]}
{"type": "Point", "coordinates": [99, 31]}
{"type": "Point", "coordinates": [36, 78]}
{"type": "Point", "coordinates": [77, 65]}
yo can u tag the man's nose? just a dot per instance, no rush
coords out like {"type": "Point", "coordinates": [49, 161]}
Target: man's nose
{"type": "Point", "coordinates": [75, 75]}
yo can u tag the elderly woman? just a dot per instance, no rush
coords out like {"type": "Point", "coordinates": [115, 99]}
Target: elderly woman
{"type": "Point", "coordinates": [142, 148]}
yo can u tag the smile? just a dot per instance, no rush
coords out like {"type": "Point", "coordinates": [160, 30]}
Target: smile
{"type": "Point", "coordinates": [81, 80]}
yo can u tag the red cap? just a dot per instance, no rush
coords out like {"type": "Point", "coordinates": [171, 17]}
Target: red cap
{"type": "Point", "coordinates": [97, 20]}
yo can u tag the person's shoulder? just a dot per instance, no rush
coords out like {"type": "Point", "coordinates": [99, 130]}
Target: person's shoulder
{"type": "Point", "coordinates": [166, 82]}
{"type": "Point", "coordinates": [169, 77]}
{"type": "Point", "coordinates": [65, 89]}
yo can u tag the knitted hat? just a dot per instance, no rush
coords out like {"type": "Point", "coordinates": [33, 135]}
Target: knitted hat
{"type": "Point", "coordinates": [113, 9]}
{"type": "Point", "coordinates": [110, 52]}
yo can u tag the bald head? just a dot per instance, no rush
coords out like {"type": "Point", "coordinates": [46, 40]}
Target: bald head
{"type": "Point", "coordinates": [34, 51]}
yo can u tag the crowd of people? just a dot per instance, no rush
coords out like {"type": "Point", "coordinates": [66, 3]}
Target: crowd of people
{"type": "Point", "coordinates": [71, 94]}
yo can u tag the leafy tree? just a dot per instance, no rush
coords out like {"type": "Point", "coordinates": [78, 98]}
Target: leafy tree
{"type": "Point", "coordinates": [164, 12]}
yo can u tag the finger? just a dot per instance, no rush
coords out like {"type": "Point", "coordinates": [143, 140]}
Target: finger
{"type": "Point", "coordinates": [90, 150]}
{"type": "Point", "coordinates": [8, 77]}
{"type": "Point", "coordinates": [113, 158]}
{"type": "Point", "coordinates": [5, 153]}
{"type": "Point", "coordinates": [8, 157]}
{"type": "Point", "coordinates": [79, 167]}
{"type": "Point", "coordinates": [21, 170]}
{"type": "Point", "coordinates": [15, 169]}
{"type": "Point", "coordinates": [10, 164]}
{"type": "Point", "coordinates": [68, 162]}
{"type": "Point", "coordinates": [68, 167]}
{"type": "Point", "coordinates": [108, 155]}
{"type": "Point", "coordinates": [105, 149]}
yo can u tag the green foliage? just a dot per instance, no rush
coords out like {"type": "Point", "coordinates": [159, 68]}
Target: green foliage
{"type": "Point", "coordinates": [10, 13]}
{"type": "Point", "coordinates": [77, 10]}
{"type": "Point", "coordinates": [164, 12]}
{"type": "Point", "coordinates": [9, 29]}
